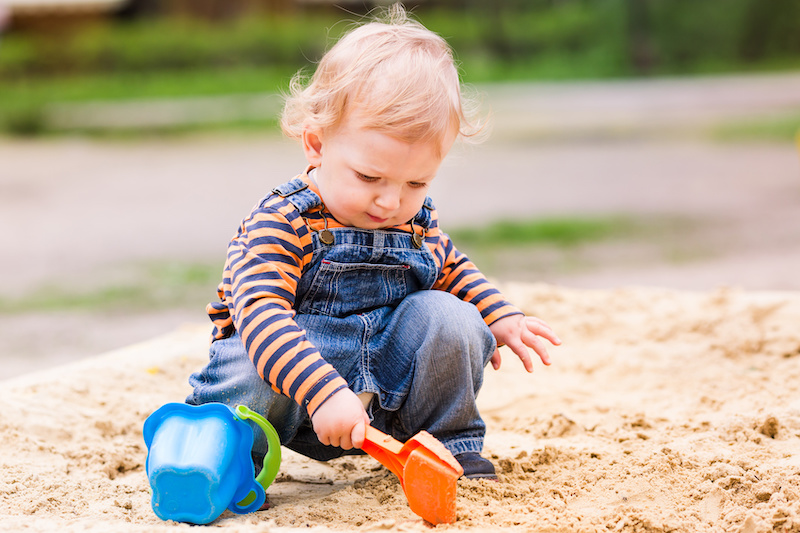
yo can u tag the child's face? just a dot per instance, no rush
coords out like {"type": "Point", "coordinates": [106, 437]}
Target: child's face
{"type": "Point", "coordinates": [369, 179]}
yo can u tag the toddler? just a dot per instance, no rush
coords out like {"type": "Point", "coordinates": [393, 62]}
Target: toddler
{"type": "Point", "coordinates": [342, 302]}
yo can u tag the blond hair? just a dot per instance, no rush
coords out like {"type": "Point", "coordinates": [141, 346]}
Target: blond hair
{"type": "Point", "coordinates": [399, 78]}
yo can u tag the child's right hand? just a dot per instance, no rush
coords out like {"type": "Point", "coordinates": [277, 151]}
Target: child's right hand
{"type": "Point", "coordinates": [341, 421]}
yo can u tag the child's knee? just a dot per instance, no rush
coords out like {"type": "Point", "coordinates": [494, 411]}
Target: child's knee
{"type": "Point", "coordinates": [454, 329]}
{"type": "Point", "coordinates": [453, 319]}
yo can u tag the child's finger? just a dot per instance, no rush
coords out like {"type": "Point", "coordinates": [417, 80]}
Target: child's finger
{"type": "Point", "coordinates": [542, 328]}
{"type": "Point", "coordinates": [538, 325]}
{"type": "Point", "coordinates": [358, 434]}
{"type": "Point", "coordinates": [522, 352]}
{"type": "Point", "coordinates": [324, 439]}
{"type": "Point", "coordinates": [496, 359]}
{"type": "Point", "coordinates": [535, 342]}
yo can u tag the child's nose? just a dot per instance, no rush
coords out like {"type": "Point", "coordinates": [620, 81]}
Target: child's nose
{"type": "Point", "coordinates": [389, 199]}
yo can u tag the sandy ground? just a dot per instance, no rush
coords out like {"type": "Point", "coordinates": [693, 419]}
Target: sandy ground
{"type": "Point", "coordinates": [672, 405]}
{"type": "Point", "coordinates": [664, 411]}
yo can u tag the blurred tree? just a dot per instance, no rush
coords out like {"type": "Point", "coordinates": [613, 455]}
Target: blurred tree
{"type": "Point", "coordinates": [515, 39]}
{"type": "Point", "coordinates": [771, 28]}
{"type": "Point", "coordinates": [639, 36]}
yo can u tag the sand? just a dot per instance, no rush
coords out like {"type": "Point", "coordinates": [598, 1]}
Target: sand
{"type": "Point", "coordinates": [663, 411]}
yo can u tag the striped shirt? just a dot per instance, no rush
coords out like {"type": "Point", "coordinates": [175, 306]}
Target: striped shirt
{"type": "Point", "coordinates": [266, 258]}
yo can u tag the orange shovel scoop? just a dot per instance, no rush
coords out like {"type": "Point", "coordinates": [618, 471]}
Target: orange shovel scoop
{"type": "Point", "coordinates": [427, 470]}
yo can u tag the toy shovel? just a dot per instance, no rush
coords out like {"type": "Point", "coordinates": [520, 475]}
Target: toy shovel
{"type": "Point", "coordinates": [427, 470]}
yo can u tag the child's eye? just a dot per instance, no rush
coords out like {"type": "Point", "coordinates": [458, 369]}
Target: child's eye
{"type": "Point", "coordinates": [366, 178]}
{"type": "Point", "coordinates": [417, 184]}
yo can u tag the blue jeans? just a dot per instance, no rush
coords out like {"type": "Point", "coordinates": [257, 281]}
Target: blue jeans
{"type": "Point", "coordinates": [424, 361]}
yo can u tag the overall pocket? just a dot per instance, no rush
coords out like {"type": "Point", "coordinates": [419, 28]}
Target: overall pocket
{"type": "Point", "coordinates": [341, 289]}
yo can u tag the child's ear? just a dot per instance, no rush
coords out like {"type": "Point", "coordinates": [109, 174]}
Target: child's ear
{"type": "Point", "coordinates": [312, 145]}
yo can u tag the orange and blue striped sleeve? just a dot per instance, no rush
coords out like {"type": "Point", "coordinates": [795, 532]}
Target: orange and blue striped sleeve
{"type": "Point", "coordinates": [459, 276]}
{"type": "Point", "coordinates": [263, 268]}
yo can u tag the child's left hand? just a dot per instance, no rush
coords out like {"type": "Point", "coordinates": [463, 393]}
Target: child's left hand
{"type": "Point", "coordinates": [519, 332]}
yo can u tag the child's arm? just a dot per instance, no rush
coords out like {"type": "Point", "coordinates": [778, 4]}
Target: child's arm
{"type": "Point", "coordinates": [264, 265]}
{"type": "Point", "coordinates": [519, 332]}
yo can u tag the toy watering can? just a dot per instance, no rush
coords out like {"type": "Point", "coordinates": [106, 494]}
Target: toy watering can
{"type": "Point", "coordinates": [199, 462]}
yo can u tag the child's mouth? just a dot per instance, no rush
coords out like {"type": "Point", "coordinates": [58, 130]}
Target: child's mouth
{"type": "Point", "coordinates": [377, 219]}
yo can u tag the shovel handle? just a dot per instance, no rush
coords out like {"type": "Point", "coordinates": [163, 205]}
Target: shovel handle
{"type": "Point", "coordinates": [387, 450]}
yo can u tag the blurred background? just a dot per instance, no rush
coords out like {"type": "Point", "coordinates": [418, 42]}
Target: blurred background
{"type": "Point", "coordinates": [635, 142]}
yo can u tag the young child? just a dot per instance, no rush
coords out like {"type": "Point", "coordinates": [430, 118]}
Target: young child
{"type": "Point", "coordinates": [343, 303]}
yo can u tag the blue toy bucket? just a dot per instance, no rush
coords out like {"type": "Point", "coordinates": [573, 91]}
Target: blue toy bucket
{"type": "Point", "coordinates": [199, 462]}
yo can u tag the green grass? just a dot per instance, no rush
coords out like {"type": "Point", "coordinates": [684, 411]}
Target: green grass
{"type": "Point", "coordinates": [131, 85]}
{"type": "Point", "coordinates": [24, 103]}
{"type": "Point", "coordinates": [535, 249]}
{"type": "Point", "coordinates": [561, 232]}
{"type": "Point", "coordinates": [156, 285]}
{"type": "Point", "coordinates": [778, 129]}
{"type": "Point", "coordinates": [519, 249]}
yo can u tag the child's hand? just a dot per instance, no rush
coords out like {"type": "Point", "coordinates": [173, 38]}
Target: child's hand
{"type": "Point", "coordinates": [520, 332]}
{"type": "Point", "coordinates": [341, 421]}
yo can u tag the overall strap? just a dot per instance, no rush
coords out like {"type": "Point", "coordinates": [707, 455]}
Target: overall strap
{"type": "Point", "coordinates": [423, 217]}
{"type": "Point", "coordinates": [298, 194]}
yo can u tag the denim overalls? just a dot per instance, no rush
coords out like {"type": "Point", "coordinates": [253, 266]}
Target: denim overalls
{"type": "Point", "coordinates": [365, 302]}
